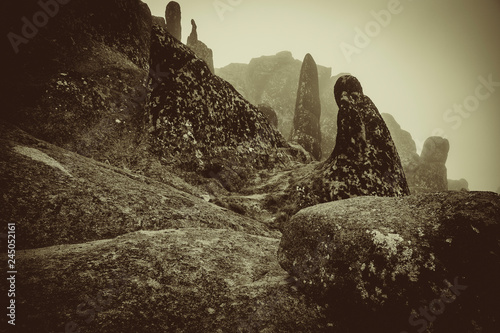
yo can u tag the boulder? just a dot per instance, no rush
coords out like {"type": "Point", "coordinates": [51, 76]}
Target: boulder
{"type": "Point", "coordinates": [427, 262]}
{"type": "Point", "coordinates": [175, 280]}
{"type": "Point", "coordinates": [306, 121]}
{"type": "Point", "coordinates": [173, 19]}
{"type": "Point", "coordinates": [435, 150]}
{"type": "Point", "coordinates": [199, 48]}
{"type": "Point", "coordinates": [364, 160]}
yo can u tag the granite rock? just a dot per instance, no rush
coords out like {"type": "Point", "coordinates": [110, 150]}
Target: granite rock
{"type": "Point", "coordinates": [388, 260]}
{"type": "Point", "coordinates": [173, 19]}
{"type": "Point", "coordinates": [306, 121]}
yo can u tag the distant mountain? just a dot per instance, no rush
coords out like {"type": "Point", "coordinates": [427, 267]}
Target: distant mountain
{"type": "Point", "coordinates": [274, 80]}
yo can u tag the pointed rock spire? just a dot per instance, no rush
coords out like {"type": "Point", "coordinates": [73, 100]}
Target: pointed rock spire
{"type": "Point", "coordinates": [173, 19]}
{"type": "Point", "coordinates": [306, 127]}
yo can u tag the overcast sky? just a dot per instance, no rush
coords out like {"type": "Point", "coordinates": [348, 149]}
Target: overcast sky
{"type": "Point", "coordinates": [426, 62]}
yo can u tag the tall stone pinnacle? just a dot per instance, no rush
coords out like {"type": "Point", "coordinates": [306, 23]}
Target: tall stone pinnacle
{"type": "Point", "coordinates": [173, 18]}
{"type": "Point", "coordinates": [306, 127]}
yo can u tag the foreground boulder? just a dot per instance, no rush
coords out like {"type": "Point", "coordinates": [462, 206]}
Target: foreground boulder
{"type": "Point", "coordinates": [364, 160]}
{"type": "Point", "coordinates": [187, 280]}
{"type": "Point", "coordinates": [306, 121]}
{"type": "Point", "coordinates": [428, 262]}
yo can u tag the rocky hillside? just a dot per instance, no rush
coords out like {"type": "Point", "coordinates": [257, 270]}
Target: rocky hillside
{"type": "Point", "coordinates": [108, 89]}
{"type": "Point", "coordinates": [148, 195]}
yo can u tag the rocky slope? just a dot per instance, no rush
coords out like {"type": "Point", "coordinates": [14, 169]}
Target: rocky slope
{"type": "Point", "coordinates": [98, 94]}
{"type": "Point", "coordinates": [59, 197]}
{"type": "Point", "coordinates": [147, 195]}
{"type": "Point", "coordinates": [211, 129]}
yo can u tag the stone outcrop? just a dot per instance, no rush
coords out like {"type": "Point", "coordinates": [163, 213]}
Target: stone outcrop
{"type": "Point", "coordinates": [274, 80]}
{"type": "Point", "coordinates": [211, 129]}
{"type": "Point", "coordinates": [435, 150]}
{"type": "Point", "coordinates": [173, 19]}
{"type": "Point", "coordinates": [392, 260]}
{"type": "Point", "coordinates": [81, 81]}
{"type": "Point", "coordinates": [88, 83]}
{"type": "Point", "coordinates": [431, 174]}
{"type": "Point", "coordinates": [364, 161]}
{"type": "Point", "coordinates": [270, 114]}
{"type": "Point", "coordinates": [458, 185]}
{"type": "Point", "coordinates": [306, 122]}
{"type": "Point", "coordinates": [200, 48]}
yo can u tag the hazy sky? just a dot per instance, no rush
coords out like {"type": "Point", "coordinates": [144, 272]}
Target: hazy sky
{"type": "Point", "coordinates": [428, 63]}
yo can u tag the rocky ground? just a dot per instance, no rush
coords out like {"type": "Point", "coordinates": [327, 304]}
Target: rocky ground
{"type": "Point", "coordinates": [148, 195]}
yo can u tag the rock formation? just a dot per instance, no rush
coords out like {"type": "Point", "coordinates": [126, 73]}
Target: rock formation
{"type": "Point", "coordinates": [199, 48]}
{"type": "Point", "coordinates": [68, 198]}
{"type": "Point", "coordinates": [306, 128]}
{"type": "Point", "coordinates": [426, 173]}
{"type": "Point", "coordinates": [212, 129]}
{"type": "Point", "coordinates": [81, 83]}
{"type": "Point", "coordinates": [120, 156]}
{"type": "Point", "coordinates": [274, 80]}
{"type": "Point", "coordinates": [173, 19]}
{"type": "Point", "coordinates": [269, 113]}
{"type": "Point", "coordinates": [458, 185]}
{"type": "Point", "coordinates": [364, 160]}
{"type": "Point", "coordinates": [387, 260]}
{"type": "Point", "coordinates": [405, 145]}
{"type": "Point", "coordinates": [431, 174]}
